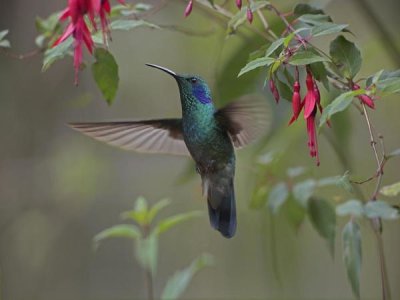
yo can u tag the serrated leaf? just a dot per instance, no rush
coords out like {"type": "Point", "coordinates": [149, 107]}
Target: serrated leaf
{"type": "Point", "coordinates": [303, 191]}
{"type": "Point", "coordinates": [352, 207]}
{"type": "Point", "coordinates": [105, 73]}
{"type": "Point", "coordinates": [120, 231]}
{"type": "Point", "coordinates": [55, 53]}
{"type": "Point", "coordinates": [257, 63]}
{"type": "Point", "coordinates": [380, 209]}
{"type": "Point", "coordinates": [171, 222]}
{"type": "Point", "coordinates": [346, 56]}
{"type": "Point", "coordinates": [131, 24]}
{"type": "Point", "coordinates": [147, 252]}
{"type": "Point", "coordinates": [305, 57]}
{"type": "Point", "coordinates": [340, 103]}
{"type": "Point", "coordinates": [177, 284]}
{"type": "Point", "coordinates": [277, 197]}
{"type": "Point", "coordinates": [352, 255]}
{"type": "Point", "coordinates": [323, 218]}
{"type": "Point", "coordinates": [327, 28]}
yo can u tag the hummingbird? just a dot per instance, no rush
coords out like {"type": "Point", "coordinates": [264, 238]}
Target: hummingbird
{"type": "Point", "coordinates": [206, 134]}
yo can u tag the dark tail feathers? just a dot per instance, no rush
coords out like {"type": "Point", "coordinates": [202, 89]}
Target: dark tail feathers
{"type": "Point", "coordinates": [222, 208]}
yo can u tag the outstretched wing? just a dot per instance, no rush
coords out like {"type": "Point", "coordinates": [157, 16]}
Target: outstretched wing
{"type": "Point", "coordinates": [245, 119]}
{"type": "Point", "coordinates": [152, 136]}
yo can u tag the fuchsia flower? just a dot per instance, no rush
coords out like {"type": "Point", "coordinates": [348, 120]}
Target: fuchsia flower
{"type": "Point", "coordinates": [311, 103]}
{"type": "Point", "coordinates": [367, 100]}
{"type": "Point", "coordinates": [188, 8]}
{"type": "Point", "coordinates": [249, 15]}
{"type": "Point", "coordinates": [239, 3]}
{"type": "Point", "coordinates": [77, 10]}
{"type": "Point", "coordinates": [297, 105]}
{"type": "Point", "coordinates": [274, 90]}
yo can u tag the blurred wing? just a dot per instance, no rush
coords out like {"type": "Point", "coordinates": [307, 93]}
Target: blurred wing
{"type": "Point", "coordinates": [152, 136]}
{"type": "Point", "coordinates": [245, 119]}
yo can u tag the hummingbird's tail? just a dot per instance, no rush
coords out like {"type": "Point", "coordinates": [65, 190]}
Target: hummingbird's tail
{"type": "Point", "coordinates": [221, 206]}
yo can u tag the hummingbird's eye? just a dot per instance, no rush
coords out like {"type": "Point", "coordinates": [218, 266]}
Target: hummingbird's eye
{"type": "Point", "coordinates": [193, 80]}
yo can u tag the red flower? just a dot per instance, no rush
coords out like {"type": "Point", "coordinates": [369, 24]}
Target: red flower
{"type": "Point", "coordinates": [249, 15]}
{"type": "Point", "coordinates": [189, 8]}
{"type": "Point", "coordinates": [104, 10]}
{"type": "Point", "coordinates": [297, 105]}
{"type": "Point", "coordinates": [311, 101]}
{"type": "Point", "coordinates": [367, 100]}
{"type": "Point", "coordinates": [76, 10]}
{"type": "Point", "coordinates": [274, 90]}
{"type": "Point", "coordinates": [239, 3]}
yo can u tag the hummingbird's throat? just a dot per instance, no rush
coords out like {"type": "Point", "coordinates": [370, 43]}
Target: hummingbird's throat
{"type": "Point", "coordinates": [202, 94]}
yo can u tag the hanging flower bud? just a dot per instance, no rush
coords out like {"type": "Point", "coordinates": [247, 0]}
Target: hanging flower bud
{"type": "Point", "coordinates": [239, 3]}
{"type": "Point", "coordinates": [189, 8]}
{"type": "Point", "coordinates": [297, 105]}
{"type": "Point", "coordinates": [249, 15]}
{"type": "Point", "coordinates": [367, 100]}
{"type": "Point", "coordinates": [274, 90]}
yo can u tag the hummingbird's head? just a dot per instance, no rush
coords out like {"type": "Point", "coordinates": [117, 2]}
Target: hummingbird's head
{"type": "Point", "coordinates": [190, 86]}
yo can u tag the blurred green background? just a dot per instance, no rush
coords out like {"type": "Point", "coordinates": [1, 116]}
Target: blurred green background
{"type": "Point", "coordinates": [59, 188]}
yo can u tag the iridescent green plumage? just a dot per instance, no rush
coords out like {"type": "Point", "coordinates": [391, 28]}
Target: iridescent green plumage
{"type": "Point", "coordinates": [206, 134]}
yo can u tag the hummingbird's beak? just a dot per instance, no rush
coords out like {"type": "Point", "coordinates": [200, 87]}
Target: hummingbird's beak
{"type": "Point", "coordinates": [172, 73]}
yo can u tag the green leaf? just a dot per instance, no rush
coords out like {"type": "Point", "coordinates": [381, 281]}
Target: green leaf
{"type": "Point", "coordinates": [302, 9]}
{"type": "Point", "coordinates": [394, 153]}
{"type": "Point", "coordinates": [240, 17]}
{"type": "Point", "coordinates": [147, 252]}
{"type": "Point", "coordinates": [49, 25]}
{"type": "Point", "coordinates": [380, 209]}
{"type": "Point", "coordinates": [177, 284]}
{"type": "Point", "coordinates": [327, 181]}
{"type": "Point", "coordinates": [274, 46]}
{"type": "Point", "coordinates": [277, 197]}
{"type": "Point", "coordinates": [171, 222]}
{"type": "Point", "coordinates": [303, 191]}
{"type": "Point", "coordinates": [305, 57]}
{"type": "Point", "coordinates": [123, 230]}
{"type": "Point", "coordinates": [315, 19]}
{"type": "Point", "coordinates": [105, 73]}
{"type": "Point", "coordinates": [259, 197]}
{"type": "Point", "coordinates": [139, 214]}
{"type": "Point", "coordinates": [352, 255]}
{"type": "Point", "coordinates": [389, 86]}
{"type": "Point", "coordinates": [318, 69]}
{"type": "Point", "coordinates": [346, 56]}
{"type": "Point", "coordinates": [156, 208]}
{"type": "Point", "coordinates": [5, 44]}
{"type": "Point", "coordinates": [352, 207]}
{"type": "Point", "coordinates": [323, 218]}
{"type": "Point", "coordinates": [131, 24]}
{"type": "Point", "coordinates": [327, 28]}
{"type": "Point", "coordinates": [344, 182]}
{"type": "Point", "coordinates": [56, 53]}
{"type": "Point", "coordinates": [391, 190]}
{"type": "Point", "coordinates": [341, 103]}
{"type": "Point", "coordinates": [284, 90]}
{"type": "Point", "coordinates": [257, 63]}
{"type": "Point", "coordinates": [295, 171]}
{"type": "Point", "coordinates": [3, 33]}
{"type": "Point", "coordinates": [294, 212]}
